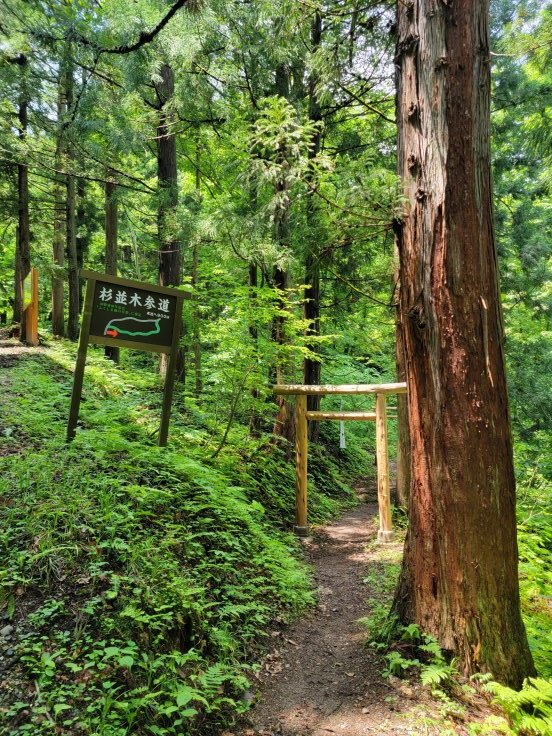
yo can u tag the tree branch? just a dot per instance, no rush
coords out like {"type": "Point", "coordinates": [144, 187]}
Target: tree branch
{"type": "Point", "coordinates": [144, 38]}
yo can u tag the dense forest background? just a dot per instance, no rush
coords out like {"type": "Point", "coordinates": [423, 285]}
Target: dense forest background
{"type": "Point", "coordinates": [244, 151]}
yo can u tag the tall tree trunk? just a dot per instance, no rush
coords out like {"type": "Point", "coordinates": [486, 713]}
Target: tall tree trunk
{"type": "Point", "coordinates": [170, 265]}
{"type": "Point", "coordinates": [167, 177]}
{"type": "Point", "coordinates": [24, 239]}
{"type": "Point", "coordinates": [255, 420]}
{"type": "Point", "coordinates": [71, 249]}
{"type": "Point", "coordinates": [58, 246]}
{"type": "Point", "coordinates": [312, 368]}
{"type": "Point", "coordinates": [81, 235]}
{"type": "Point", "coordinates": [403, 431]}
{"type": "Point", "coordinates": [111, 241]}
{"type": "Point", "coordinates": [196, 318]}
{"type": "Point", "coordinates": [459, 575]}
{"type": "Point", "coordinates": [280, 275]}
{"type": "Point", "coordinates": [17, 283]}
{"type": "Point", "coordinates": [70, 209]}
{"type": "Point", "coordinates": [283, 425]}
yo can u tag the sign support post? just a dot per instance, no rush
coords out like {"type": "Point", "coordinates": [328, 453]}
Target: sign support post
{"type": "Point", "coordinates": [169, 381]}
{"type": "Point", "coordinates": [81, 360]}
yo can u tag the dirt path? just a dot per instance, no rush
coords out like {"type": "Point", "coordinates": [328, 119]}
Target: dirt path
{"type": "Point", "coordinates": [323, 680]}
{"type": "Point", "coordinates": [11, 350]}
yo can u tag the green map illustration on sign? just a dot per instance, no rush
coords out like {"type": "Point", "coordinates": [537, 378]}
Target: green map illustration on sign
{"type": "Point", "coordinates": [125, 311]}
{"type": "Point", "coordinates": [132, 327]}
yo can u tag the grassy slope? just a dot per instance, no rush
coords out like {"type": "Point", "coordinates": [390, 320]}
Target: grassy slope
{"type": "Point", "coordinates": [141, 581]}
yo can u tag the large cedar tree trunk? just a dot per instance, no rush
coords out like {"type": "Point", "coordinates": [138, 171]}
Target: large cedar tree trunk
{"type": "Point", "coordinates": [403, 431]}
{"type": "Point", "coordinates": [459, 576]}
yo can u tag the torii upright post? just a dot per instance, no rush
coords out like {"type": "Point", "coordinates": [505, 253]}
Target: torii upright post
{"type": "Point", "coordinates": [385, 533]}
{"type": "Point", "coordinates": [301, 527]}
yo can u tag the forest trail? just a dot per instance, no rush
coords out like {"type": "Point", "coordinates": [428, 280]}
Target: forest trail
{"type": "Point", "coordinates": [322, 679]}
{"type": "Point", "coordinates": [11, 350]}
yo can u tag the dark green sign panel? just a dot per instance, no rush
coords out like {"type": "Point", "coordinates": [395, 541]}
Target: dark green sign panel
{"type": "Point", "coordinates": [124, 314]}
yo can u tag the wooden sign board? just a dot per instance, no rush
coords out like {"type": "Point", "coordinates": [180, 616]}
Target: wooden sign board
{"type": "Point", "coordinates": [129, 314]}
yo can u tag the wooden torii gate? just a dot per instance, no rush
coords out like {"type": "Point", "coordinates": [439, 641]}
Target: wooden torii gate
{"type": "Point", "coordinates": [302, 418]}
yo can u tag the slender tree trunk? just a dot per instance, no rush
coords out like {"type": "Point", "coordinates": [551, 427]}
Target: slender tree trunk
{"type": "Point", "coordinates": [459, 575]}
{"type": "Point", "coordinates": [284, 424]}
{"type": "Point", "coordinates": [167, 177]}
{"type": "Point", "coordinates": [111, 241]}
{"type": "Point", "coordinates": [71, 223]}
{"type": "Point", "coordinates": [81, 235]}
{"type": "Point", "coordinates": [170, 264]}
{"type": "Point", "coordinates": [280, 275]}
{"type": "Point", "coordinates": [58, 307]}
{"type": "Point", "coordinates": [255, 420]}
{"type": "Point", "coordinates": [18, 283]}
{"type": "Point", "coordinates": [312, 368]}
{"type": "Point", "coordinates": [196, 336]}
{"type": "Point", "coordinates": [24, 239]}
{"type": "Point", "coordinates": [71, 248]}
{"type": "Point", "coordinates": [111, 224]}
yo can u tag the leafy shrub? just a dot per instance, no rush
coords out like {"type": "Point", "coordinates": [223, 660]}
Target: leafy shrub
{"type": "Point", "coordinates": [530, 709]}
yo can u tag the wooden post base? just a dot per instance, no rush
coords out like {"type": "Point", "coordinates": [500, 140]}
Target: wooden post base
{"type": "Point", "coordinates": [301, 531]}
{"type": "Point", "coordinates": [384, 537]}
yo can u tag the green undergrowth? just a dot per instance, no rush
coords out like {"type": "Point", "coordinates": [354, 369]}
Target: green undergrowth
{"type": "Point", "coordinates": [415, 656]}
{"type": "Point", "coordinates": [534, 473]}
{"type": "Point", "coordinates": [141, 582]}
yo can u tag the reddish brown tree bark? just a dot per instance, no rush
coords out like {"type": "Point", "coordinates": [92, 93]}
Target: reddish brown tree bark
{"type": "Point", "coordinates": [459, 576]}
{"type": "Point", "coordinates": [403, 430]}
